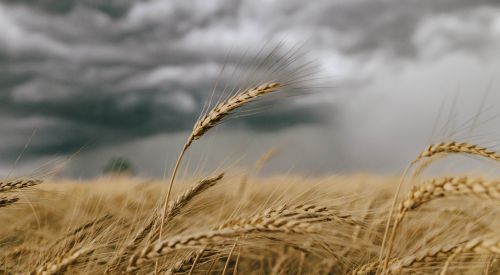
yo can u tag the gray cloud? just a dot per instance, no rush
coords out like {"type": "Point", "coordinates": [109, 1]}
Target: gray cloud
{"type": "Point", "coordinates": [101, 72]}
{"type": "Point", "coordinates": [388, 26]}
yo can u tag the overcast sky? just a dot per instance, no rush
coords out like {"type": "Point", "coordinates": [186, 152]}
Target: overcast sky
{"type": "Point", "coordinates": [129, 78]}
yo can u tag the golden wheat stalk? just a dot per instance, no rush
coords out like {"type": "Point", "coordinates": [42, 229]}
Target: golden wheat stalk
{"type": "Point", "coordinates": [425, 164]}
{"type": "Point", "coordinates": [304, 212]}
{"type": "Point", "coordinates": [172, 211]}
{"type": "Point", "coordinates": [431, 151]}
{"type": "Point", "coordinates": [450, 186]}
{"type": "Point", "coordinates": [6, 201]}
{"type": "Point", "coordinates": [214, 117]}
{"type": "Point", "coordinates": [284, 219]}
{"type": "Point", "coordinates": [479, 245]}
{"type": "Point", "coordinates": [301, 223]}
{"type": "Point", "coordinates": [298, 212]}
{"type": "Point", "coordinates": [60, 264]}
{"type": "Point", "coordinates": [332, 215]}
{"type": "Point", "coordinates": [175, 208]}
{"type": "Point", "coordinates": [84, 228]}
{"type": "Point", "coordinates": [215, 237]}
{"type": "Point", "coordinates": [182, 200]}
{"type": "Point", "coordinates": [11, 185]}
{"type": "Point", "coordinates": [221, 110]}
{"type": "Point", "coordinates": [447, 186]}
{"type": "Point", "coordinates": [280, 267]}
{"type": "Point", "coordinates": [186, 263]}
{"type": "Point", "coordinates": [21, 251]}
{"type": "Point", "coordinates": [89, 225]}
{"type": "Point", "coordinates": [271, 212]}
{"type": "Point", "coordinates": [457, 147]}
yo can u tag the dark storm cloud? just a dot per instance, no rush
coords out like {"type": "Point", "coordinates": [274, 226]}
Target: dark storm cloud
{"type": "Point", "coordinates": [110, 71]}
{"type": "Point", "coordinates": [113, 8]}
{"type": "Point", "coordinates": [365, 28]}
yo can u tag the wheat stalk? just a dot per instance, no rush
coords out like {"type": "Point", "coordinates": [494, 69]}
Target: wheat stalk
{"type": "Point", "coordinates": [175, 208]}
{"type": "Point", "coordinates": [228, 260]}
{"type": "Point", "coordinates": [83, 228]}
{"type": "Point", "coordinates": [212, 118]}
{"type": "Point", "coordinates": [280, 267]}
{"type": "Point", "coordinates": [183, 199]}
{"type": "Point", "coordinates": [186, 263]}
{"type": "Point", "coordinates": [480, 245]}
{"type": "Point", "coordinates": [18, 184]}
{"type": "Point", "coordinates": [223, 109]}
{"type": "Point", "coordinates": [299, 212]}
{"type": "Point", "coordinates": [295, 219]}
{"type": "Point", "coordinates": [214, 237]}
{"type": "Point", "coordinates": [269, 222]}
{"type": "Point", "coordinates": [332, 215]}
{"type": "Point", "coordinates": [429, 152]}
{"type": "Point", "coordinates": [191, 258]}
{"type": "Point", "coordinates": [21, 251]}
{"type": "Point", "coordinates": [457, 147]}
{"type": "Point", "coordinates": [88, 225]}
{"type": "Point", "coordinates": [172, 211]}
{"type": "Point", "coordinates": [446, 186]}
{"type": "Point", "coordinates": [60, 264]}
{"type": "Point", "coordinates": [6, 201]}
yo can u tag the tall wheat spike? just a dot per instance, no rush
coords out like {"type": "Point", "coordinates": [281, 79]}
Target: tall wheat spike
{"type": "Point", "coordinates": [261, 85]}
{"type": "Point", "coordinates": [446, 186]}
{"type": "Point", "coordinates": [18, 184]}
{"type": "Point", "coordinates": [212, 118]}
{"type": "Point", "coordinates": [213, 237]}
{"type": "Point", "coordinates": [6, 201]}
{"type": "Point", "coordinates": [273, 220]}
{"type": "Point", "coordinates": [451, 147]}
{"type": "Point", "coordinates": [61, 263]}
{"type": "Point", "coordinates": [182, 200]}
{"type": "Point", "coordinates": [173, 210]}
{"type": "Point", "coordinates": [457, 147]}
{"type": "Point", "coordinates": [479, 245]}
{"type": "Point", "coordinates": [84, 228]}
{"type": "Point", "coordinates": [309, 212]}
{"type": "Point", "coordinates": [300, 218]}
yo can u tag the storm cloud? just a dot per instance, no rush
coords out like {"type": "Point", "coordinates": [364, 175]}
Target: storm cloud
{"type": "Point", "coordinates": [108, 72]}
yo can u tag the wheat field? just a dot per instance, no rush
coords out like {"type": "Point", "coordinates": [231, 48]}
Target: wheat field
{"type": "Point", "coordinates": [239, 222]}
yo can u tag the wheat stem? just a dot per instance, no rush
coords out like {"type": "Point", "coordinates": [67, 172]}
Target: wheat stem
{"type": "Point", "coordinates": [429, 152]}
{"type": "Point", "coordinates": [61, 264]}
{"type": "Point", "coordinates": [480, 245]}
{"type": "Point", "coordinates": [212, 118]}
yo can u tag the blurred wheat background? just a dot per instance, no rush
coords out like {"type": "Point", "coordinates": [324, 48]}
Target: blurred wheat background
{"type": "Point", "coordinates": [245, 137]}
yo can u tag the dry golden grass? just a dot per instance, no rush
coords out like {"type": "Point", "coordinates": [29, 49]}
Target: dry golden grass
{"type": "Point", "coordinates": [329, 225]}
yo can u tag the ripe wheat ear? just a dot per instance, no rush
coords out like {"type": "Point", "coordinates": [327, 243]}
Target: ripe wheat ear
{"type": "Point", "coordinates": [267, 223]}
{"type": "Point", "coordinates": [447, 186]}
{"type": "Point", "coordinates": [5, 201]}
{"type": "Point", "coordinates": [173, 210]}
{"type": "Point", "coordinates": [479, 245]}
{"type": "Point", "coordinates": [12, 185]}
{"type": "Point", "coordinates": [451, 147]}
{"type": "Point", "coordinates": [211, 119]}
{"type": "Point", "coordinates": [60, 264]}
